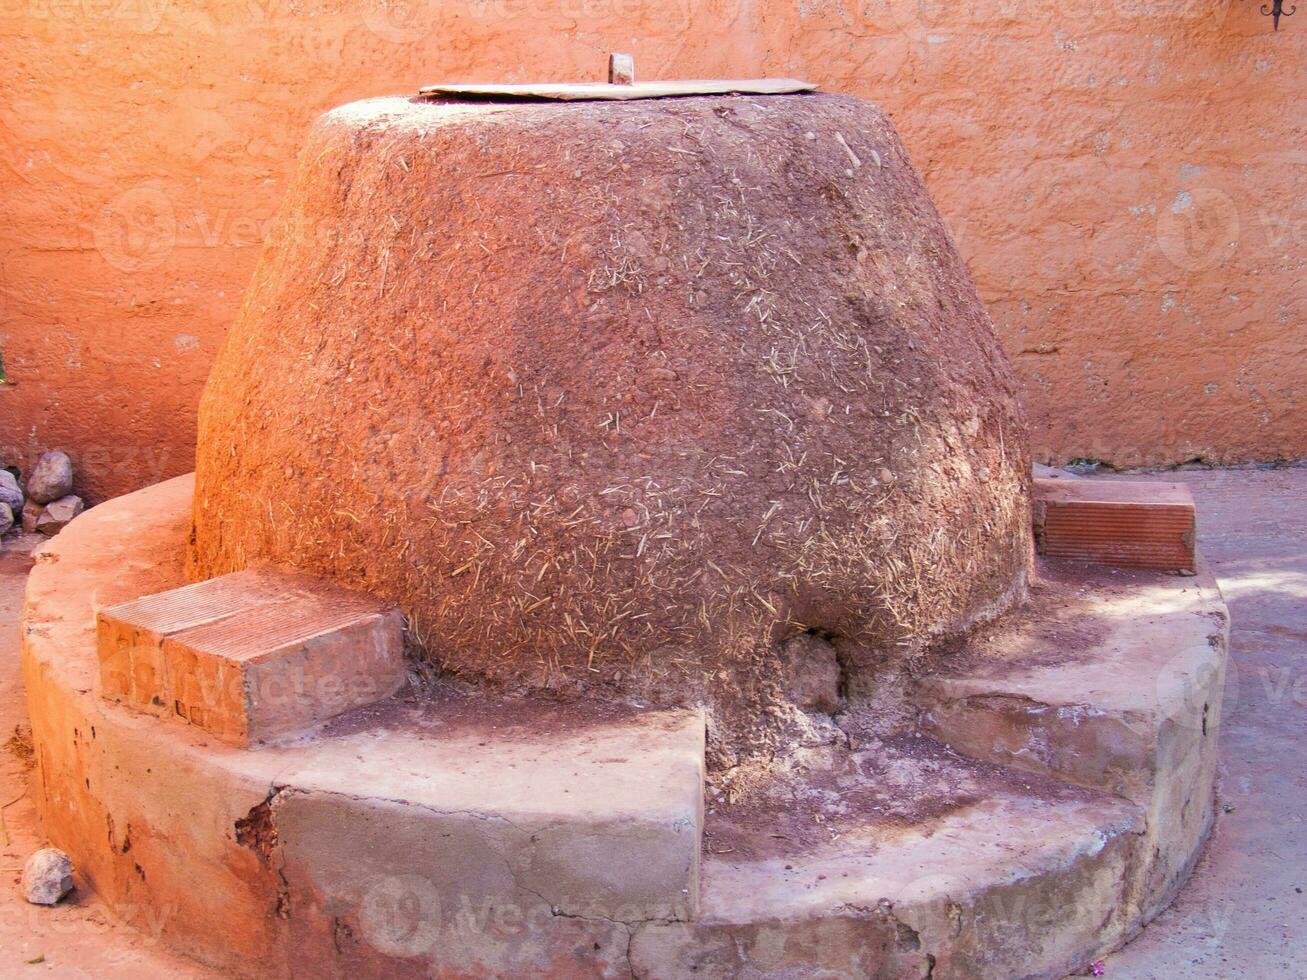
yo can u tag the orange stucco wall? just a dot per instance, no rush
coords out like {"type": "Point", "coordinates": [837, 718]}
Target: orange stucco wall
{"type": "Point", "coordinates": [1126, 179]}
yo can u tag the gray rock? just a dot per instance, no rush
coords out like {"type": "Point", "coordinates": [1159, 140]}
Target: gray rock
{"type": "Point", "coordinates": [32, 512]}
{"type": "Point", "coordinates": [58, 513]}
{"type": "Point", "coordinates": [6, 518]}
{"type": "Point", "coordinates": [47, 876]}
{"type": "Point", "coordinates": [10, 493]}
{"type": "Point", "coordinates": [51, 477]}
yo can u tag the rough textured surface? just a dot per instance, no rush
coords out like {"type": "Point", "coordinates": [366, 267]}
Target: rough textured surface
{"type": "Point", "coordinates": [84, 936]}
{"type": "Point", "coordinates": [810, 668]}
{"type": "Point", "coordinates": [47, 876]}
{"type": "Point", "coordinates": [1012, 886]}
{"type": "Point", "coordinates": [1114, 174]}
{"type": "Point", "coordinates": [631, 438]}
{"type": "Point", "coordinates": [1242, 916]}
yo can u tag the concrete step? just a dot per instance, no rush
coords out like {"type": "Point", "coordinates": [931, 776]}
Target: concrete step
{"type": "Point", "coordinates": [1116, 522]}
{"type": "Point", "coordinates": [1012, 886]}
{"type": "Point", "coordinates": [251, 656]}
{"type": "Point", "coordinates": [554, 813]}
{"type": "Point", "coordinates": [1110, 679]}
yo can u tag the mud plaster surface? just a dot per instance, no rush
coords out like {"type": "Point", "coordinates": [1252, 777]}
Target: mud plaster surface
{"type": "Point", "coordinates": [869, 769]}
{"type": "Point", "coordinates": [615, 399]}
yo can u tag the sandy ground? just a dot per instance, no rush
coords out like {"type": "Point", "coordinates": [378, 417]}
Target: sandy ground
{"type": "Point", "coordinates": [1243, 915]}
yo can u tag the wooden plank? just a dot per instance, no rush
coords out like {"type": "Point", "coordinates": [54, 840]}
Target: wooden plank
{"type": "Point", "coordinates": [601, 91]}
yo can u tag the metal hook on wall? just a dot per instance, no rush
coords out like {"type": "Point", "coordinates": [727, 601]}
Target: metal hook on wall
{"type": "Point", "coordinates": [1276, 10]}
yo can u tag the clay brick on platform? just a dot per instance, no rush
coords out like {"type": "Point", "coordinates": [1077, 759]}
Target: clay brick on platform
{"type": "Point", "coordinates": [252, 655]}
{"type": "Point", "coordinates": [1116, 522]}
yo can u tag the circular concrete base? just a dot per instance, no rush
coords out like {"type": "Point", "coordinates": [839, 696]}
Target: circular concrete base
{"type": "Point", "coordinates": [474, 837]}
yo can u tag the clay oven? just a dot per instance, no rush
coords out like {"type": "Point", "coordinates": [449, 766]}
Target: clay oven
{"type": "Point", "coordinates": [690, 400]}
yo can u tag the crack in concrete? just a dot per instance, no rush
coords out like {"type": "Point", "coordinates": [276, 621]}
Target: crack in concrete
{"type": "Point", "coordinates": [257, 830]}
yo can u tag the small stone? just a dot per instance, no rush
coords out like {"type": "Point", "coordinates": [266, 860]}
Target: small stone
{"type": "Point", "coordinates": [47, 876]}
{"type": "Point", "coordinates": [10, 492]}
{"type": "Point", "coordinates": [32, 512]}
{"type": "Point", "coordinates": [885, 475]}
{"type": "Point", "coordinates": [621, 69]}
{"type": "Point", "coordinates": [6, 518]}
{"type": "Point", "coordinates": [58, 513]}
{"type": "Point", "coordinates": [51, 477]}
{"type": "Point", "coordinates": [983, 474]}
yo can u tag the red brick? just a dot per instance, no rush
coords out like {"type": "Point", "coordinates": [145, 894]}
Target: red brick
{"type": "Point", "coordinates": [253, 655]}
{"type": "Point", "coordinates": [1116, 522]}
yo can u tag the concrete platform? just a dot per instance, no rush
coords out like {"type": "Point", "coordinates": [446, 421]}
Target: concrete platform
{"type": "Point", "coordinates": [464, 836]}
{"type": "Point", "coordinates": [1134, 712]}
{"type": "Point", "coordinates": [304, 854]}
{"type": "Point", "coordinates": [1011, 886]}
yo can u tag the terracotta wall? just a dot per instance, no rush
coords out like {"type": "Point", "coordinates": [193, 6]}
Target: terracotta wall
{"type": "Point", "coordinates": [1125, 177]}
